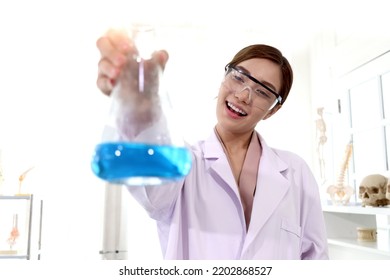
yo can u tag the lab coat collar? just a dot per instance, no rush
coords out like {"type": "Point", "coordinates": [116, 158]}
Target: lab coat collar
{"type": "Point", "coordinates": [213, 150]}
{"type": "Point", "coordinates": [219, 164]}
{"type": "Point", "coordinates": [271, 183]}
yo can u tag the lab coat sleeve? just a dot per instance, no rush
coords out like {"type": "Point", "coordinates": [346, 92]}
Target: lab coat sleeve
{"type": "Point", "coordinates": [158, 201]}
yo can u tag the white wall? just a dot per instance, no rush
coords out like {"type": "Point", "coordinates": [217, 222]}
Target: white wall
{"type": "Point", "coordinates": [334, 54]}
{"type": "Point", "coordinates": [339, 54]}
{"type": "Point", "coordinates": [50, 117]}
{"type": "Point", "coordinates": [51, 112]}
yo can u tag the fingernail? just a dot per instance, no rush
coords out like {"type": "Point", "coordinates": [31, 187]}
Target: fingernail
{"type": "Point", "coordinates": [125, 46]}
{"type": "Point", "coordinates": [110, 84]}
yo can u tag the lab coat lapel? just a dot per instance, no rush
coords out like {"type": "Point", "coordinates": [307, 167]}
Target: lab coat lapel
{"type": "Point", "coordinates": [218, 163]}
{"type": "Point", "coordinates": [270, 190]}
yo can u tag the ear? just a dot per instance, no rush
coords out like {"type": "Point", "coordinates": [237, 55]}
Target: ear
{"type": "Point", "coordinates": [273, 111]}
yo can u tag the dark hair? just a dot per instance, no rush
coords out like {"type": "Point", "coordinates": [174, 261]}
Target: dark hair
{"type": "Point", "coordinates": [270, 53]}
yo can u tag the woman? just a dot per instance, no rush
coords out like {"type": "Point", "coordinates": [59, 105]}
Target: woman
{"type": "Point", "coordinates": [242, 199]}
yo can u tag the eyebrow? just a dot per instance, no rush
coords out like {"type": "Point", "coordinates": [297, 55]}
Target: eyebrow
{"type": "Point", "coordinates": [266, 84]}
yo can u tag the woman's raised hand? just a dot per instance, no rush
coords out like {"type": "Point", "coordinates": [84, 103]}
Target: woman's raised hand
{"type": "Point", "coordinates": [115, 48]}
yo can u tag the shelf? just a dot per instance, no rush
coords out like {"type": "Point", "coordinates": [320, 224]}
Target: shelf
{"type": "Point", "coordinates": [14, 257]}
{"type": "Point", "coordinates": [20, 206]}
{"type": "Point", "coordinates": [369, 247]}
{"type": "Point", "coordinates": [11, 254]}
{"type": "Point", "coordinates": [342, 223]}
{"type": "Point", "coordinates": [24, 196]}
{"type": "Point", "coordinates": [357, 209]}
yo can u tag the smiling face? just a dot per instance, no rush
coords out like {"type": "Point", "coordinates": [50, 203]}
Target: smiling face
{"type": "Point", "coordinates": [239, 111]}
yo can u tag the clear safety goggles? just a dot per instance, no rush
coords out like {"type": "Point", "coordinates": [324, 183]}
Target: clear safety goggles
{"type": "Point", "coordinates": [240, 81]}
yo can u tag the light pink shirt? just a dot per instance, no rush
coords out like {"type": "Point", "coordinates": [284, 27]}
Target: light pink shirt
{"type": "Point", "coordinates": [203, 217]}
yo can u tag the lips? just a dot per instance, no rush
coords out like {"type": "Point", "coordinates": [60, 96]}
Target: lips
{"type": "Point", "coordinates": [235, 109]}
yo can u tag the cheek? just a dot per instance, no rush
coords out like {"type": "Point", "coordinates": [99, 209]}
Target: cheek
{"type": "Point", "coordinates": [267, 115]}
{"type": "Point", "coordinates": [220, 105]}
{"type": "Point", "coordinates": [259, 113]}
{"type": "Point", "coordinates": [221, 97]}
{"type": "Point", "coordinates": [272, 112]}
{"type": "Point", "coordinates": [258, 116]}
{"type": "Point", "coordinates": [223, 91]}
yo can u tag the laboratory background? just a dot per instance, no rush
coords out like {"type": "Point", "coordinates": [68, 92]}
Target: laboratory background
{"type": "Point", "coordinates": [337, 116]}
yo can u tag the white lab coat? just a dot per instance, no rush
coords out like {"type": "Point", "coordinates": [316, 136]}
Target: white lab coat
{"type": "Point", "coordinates": [203, 217]}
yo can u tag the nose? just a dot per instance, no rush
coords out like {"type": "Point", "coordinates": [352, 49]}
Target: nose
{"type": "Point", "coordinates": [244, 95]}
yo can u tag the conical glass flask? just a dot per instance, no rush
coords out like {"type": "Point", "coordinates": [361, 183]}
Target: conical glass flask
{"type": "Point", "coordinates": [141, 143]}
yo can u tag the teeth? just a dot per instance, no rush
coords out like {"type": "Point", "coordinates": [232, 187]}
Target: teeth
{"type": "Point", "coordinates": [234, 108]}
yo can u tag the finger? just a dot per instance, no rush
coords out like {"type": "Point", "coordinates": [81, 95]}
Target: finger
{"type": "Point", "coordinates": [106, 68]}
{"type": "Point", "coordinates": [109, 73]}
{"type": "Point", "coordinates": [114, 48]}
{"type": "Point", "coordinates": [108, 51]}
{"type": "Point", "coordinates": [107, 76]}
{"type": "Point", "coordinates": [105, 84]}
{"type": "Point", "coordinates": [120, 39]}
{"type": "Point", "coordinates": [161, 57]}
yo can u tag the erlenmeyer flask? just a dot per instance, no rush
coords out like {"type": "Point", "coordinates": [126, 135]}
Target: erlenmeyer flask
{"type": "Point", "coordinates": [141, 143]}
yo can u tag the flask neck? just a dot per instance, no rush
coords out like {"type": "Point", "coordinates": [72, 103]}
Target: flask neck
{"type": "Point", "coordinates": [144, 39]}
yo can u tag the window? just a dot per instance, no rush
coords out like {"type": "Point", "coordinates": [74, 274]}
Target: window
{"type": "Point", "coordinates": [365, 109]}
{"type": "Point", "coordinates": [386, 113]}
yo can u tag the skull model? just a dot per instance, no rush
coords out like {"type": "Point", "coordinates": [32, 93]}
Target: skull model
{"type": "Point", "coordinates": [388, 190]}
{"type": "Point", "coordinates": [372, 190]}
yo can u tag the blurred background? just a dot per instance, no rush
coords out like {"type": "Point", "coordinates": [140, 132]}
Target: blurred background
{"type": "Point", "coordinates": [52, 114]}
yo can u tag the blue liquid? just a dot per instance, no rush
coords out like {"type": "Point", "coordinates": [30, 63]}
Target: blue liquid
{"type": "Point", "coordinates": [140, 164]}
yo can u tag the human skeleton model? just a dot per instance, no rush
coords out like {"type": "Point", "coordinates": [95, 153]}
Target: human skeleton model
{"type": "Point", "coordinates": [321, 135]}
{"type": "Point", "coordinates": [14, 232]}
{"type": "Point", "coordinates": [341, 193]}
{"type": "Point", "coordinates": [1, 176]}
{"type": "Point", "coordinates": [1, 172]}
{"type": "Point", "coordinates": [21, 179]}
